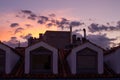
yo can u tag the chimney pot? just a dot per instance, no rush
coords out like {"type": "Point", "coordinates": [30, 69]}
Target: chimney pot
{"type": "Point", "coordinates": [84, 33]}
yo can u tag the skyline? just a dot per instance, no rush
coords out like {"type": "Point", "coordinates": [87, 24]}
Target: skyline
{"type": "Point", "coordinates": [100, 18]}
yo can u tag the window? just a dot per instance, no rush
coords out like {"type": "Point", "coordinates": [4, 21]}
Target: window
{"type": "Point", "coordinates": [41, 62]}
{"type": "Point", "coordinates": [2, 61]}
{"type": "Point", "coordinates": [86, 61]}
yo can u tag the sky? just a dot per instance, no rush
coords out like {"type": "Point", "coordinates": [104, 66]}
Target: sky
{"type": "Point", "coordinates": [20, 19]}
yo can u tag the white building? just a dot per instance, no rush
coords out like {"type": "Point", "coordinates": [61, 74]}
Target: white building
{"type": "Point", "coordinates": [86, 58]}
{"type": "Point", "coordinates": [8, 59]}
{"type": "Point", "coordinates": [112, 59]}
{"type": "Point", "coordinates": [41, 58]}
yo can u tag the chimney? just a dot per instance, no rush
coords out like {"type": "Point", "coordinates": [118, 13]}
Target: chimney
{"type": "Point", "coordinates": [40, 36]}
{"type": "Point", "coordinates": [79, 41]}
{"type": "Point", "coordinates": [30, 40]}
{"type": "Point", "coordinates": [71, 34]}
{"type": "Point", "coordinates": [84, 33]}
{"type": "Point", "coordinates": [74, 38]}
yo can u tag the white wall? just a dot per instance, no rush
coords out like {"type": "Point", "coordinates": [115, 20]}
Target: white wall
{"type": "Point", "coordinates": [118, 60]}
{"type": "Point", "coordinates": [55, 56]}
{"type": "Point", "coordinates": [71, 61]}
{"type": "Point", "coordinates": [113, 60]}
{"type": "Point", "coordinates": [110, 61]}
{"type": "Point", "coordinates": [72, 57]}
{"type": "Point", "coordinates": [11, 58]}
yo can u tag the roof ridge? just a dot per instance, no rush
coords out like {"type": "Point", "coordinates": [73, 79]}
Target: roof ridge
{"type": "Point", "coordinates": [56, 31]}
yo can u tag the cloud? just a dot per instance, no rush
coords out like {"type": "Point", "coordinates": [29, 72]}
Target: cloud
{"type": "Point", "coordinates": [28, 25]}
{"type": "Point", "coordinates": [90, 19]}
{"type": "Point", "coordinates": [65, 23]}
{"type": "Point", "coordinates": [101, 40]}
{"type": "Point", "coordinates": [49, 25]}
{"type": "Point", "coordinates": [94, 27]}
{"type": "Point", "coordinates": [53, 21]}
{"type": "Point", "coordinates": [62, 23]}
{"type": "Point", "coordinates": [18, 30]}
{"type": "Point", "coordinates": [14, 25]}
{"type": "Point", "coordinates": [118, 24]}
{"type": "Point", "coordinates": [26, 36]}
{"type": "Point", "coordinates": [30, 14]}
{"type": "Point", "coordinates": [77, 30]}
{"type": "Point", "coordinates": [26, 11]}
{"type": "Point", "coordinates": [108, 23]}
{"type": "Point", "coordinates": [14, 42]}
{"type": "Point", "coordinates": [24, 44]}
{"type": "Point", "coordinates": [75, 23]}
{"type": "Point", "coordinates": [50, 20]}
{"type": "Point", "coordinates": [43, 19]}
{"type": "Point", "coordinates": [52, 15]}
{"type": "Point", "coordinates": [41, 22]}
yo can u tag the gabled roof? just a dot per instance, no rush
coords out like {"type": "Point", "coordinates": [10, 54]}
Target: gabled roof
{"type": "Point", "coordinates": [10, 48]}
{"type": "Point", "coordinates": [112, 50]}
{"type": "Point", "coordinates": [87, 41]}
{"type": "Point", "coordinates": [5, 45]}
{"type": "Point", "coordinates": [39, 42]}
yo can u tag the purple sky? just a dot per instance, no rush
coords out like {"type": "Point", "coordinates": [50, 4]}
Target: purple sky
{"type": "Point", "coordinates": [102, 10]}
